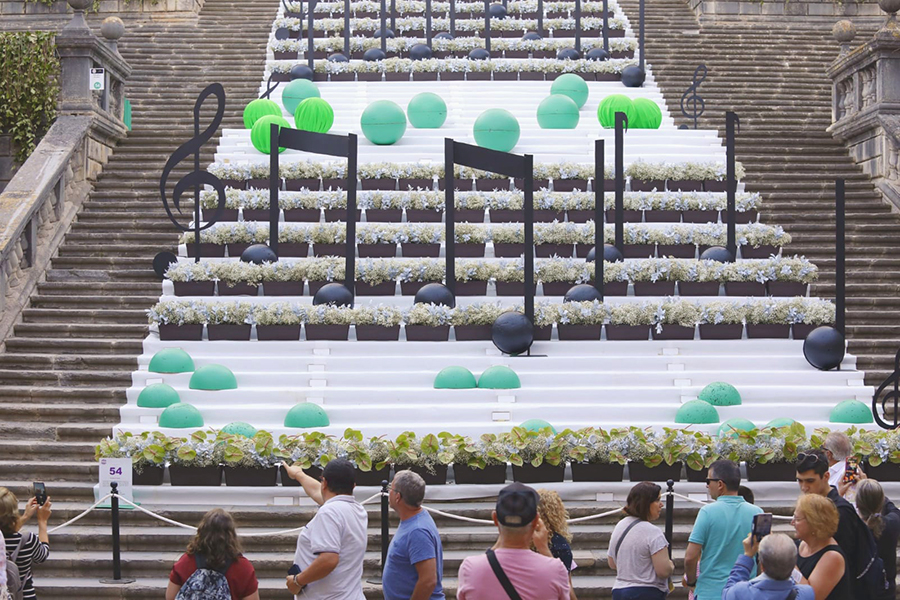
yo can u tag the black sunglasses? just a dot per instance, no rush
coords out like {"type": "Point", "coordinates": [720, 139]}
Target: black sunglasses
{"type": "Point", "coordinates": [709, 479]}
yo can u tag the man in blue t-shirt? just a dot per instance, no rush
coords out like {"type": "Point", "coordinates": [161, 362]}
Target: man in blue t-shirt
{"type": "Point", "coordinates": [415, 560]}
{"type": "Point", "coordinates": [719, 531]}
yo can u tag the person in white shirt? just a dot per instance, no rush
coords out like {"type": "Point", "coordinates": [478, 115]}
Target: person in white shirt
{"type": "Point", "coordinates": [838, 448]}
{"type": "Point", "coordinates": [331, 548]}
{"type": "Point", "coordinates": [4, 594]}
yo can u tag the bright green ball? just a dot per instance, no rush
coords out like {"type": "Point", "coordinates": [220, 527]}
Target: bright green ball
{"type": "Point", "coordinates": [730, 427]}
{"type": "Point", "coordinates": [537, 425]}
{"type": "Point", "coordinates": [496, 129]}
{"type": "Point", "coordinates": [426, 111]}
{"type": "Point", "coordinates": [647, 114]}
{"type": "Point", "coordinates": [240, 428]}
{"type": "Point", "coordinates": [720, 393]}
{"type": "Point", "coordinates": [261, 134]}
{"type": "Point", "coordinates": [610, 105]}
{"type": "Point", "coordinates": [781, 422]}
{"type": "Point", "coordinates": [296, 92]}
{"type": "Point", "coordinates": [571, 85]}
{"type": "Point", "coordinates": [697, 412]}
{"type": "Point", "coordinates": [258, 109]}
{"type": "Point", "coordinates": [314, 114]}
{"type": "Point", "coordinates": [181, 416]}
{"type": "Point", "coordinates": [383, 122]}
{"type": "Point", "coordinates": [557, 112]}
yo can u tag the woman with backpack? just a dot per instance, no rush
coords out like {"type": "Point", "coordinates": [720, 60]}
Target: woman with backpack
{"type": "Point", "coordinates": [883, 519]}
{"type": "Point", "coordinates": [213, 567]}
{"type": "Point", "coordinates": [23, 550]}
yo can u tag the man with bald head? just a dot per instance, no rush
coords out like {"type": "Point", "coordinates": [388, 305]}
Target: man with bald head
{"type": "Point", "coordinates": [777, 558]}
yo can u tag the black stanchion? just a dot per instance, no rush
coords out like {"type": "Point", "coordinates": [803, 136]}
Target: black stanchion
{"type": "Point", "coordinates": [621, 125]}
{"type": "Point", "coordinates": [449, 214]}
{"type": "Point", "coordinates": [394, 16]}
{"type": "Point", "coordinates": [732, 122]}
{"type": "Point", "coordinates": [428, 23]}
{"type": "Point", "coordinates": [453, 18]}
{"type": "Point", "coordinates": [347, 29]}
{"type": "Point", "coordinates": [116, 539]}
{"type": "Point", "coordinates": [385, 524]}
{"type": "Point", "coordinates": [840, 267]}
{"type": "Point", "coordinates": [641, 38]}
{"type": "Point", "coordinates": [599, 208]}
{"type": "Point", "coordinates": [670, 509]}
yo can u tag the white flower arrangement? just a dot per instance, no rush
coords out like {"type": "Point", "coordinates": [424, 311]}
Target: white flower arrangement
{"type": "Point", "coordinates": [479, 313]}
{"type": "Point", "coordinates": [810, 311]}
{"type": "Point", "coordinates": [229, 313]}
{"type": "Point", "coordinates": [470, 233]}
{"type": "Point", "coordinates": [545, 314]}
{"type": "Point", "coordinates": [475, 270]}
{"type": "Point", "coordinates": [675, 312]}
{"type": "Point", "coordinates": [721, 312]}
{"type": "Point", "coordinates": [329, 269]}
{"type": "Point", "coordinates": [558, 233]}
{"type": "Point", "coordinates": [431, 315]}
{"type": "Point", "coordinates": [178, 312]}
{"type": "Point", "coordinates": [555, 270]}
{"type": "Point", "coordinates": [278, 313]}
{"type": "Point", "coordinates": [404, 24]}
{"type": "Point", "coordinates": [412, 270]}
{"type": "Point", "coordinates": [687, 171]}
{"type": "Point", "coordinates": [504, 200]}
{"type": "Point", "coordinates": [377, 233]}
{"type": "Point", "coordinates": [324, 233]}
{"type": "Point", "coordinates": [326, 314]}
{"type": "Point", "coordinates": [225, 170]}
{"type": "Point", "coordinates": [510, 271]}
{"type": "Point", "coordinates": [414, 7]}
{"type": "Point", "coordinates": [462, 65]}
{"type": "Point", "coordinates": [507, 234]}
{"type": "Point", "coordinates": [581, 313]}
{"type": "Point", "coordinates": [380, 315]}
{"type": "Point", "coordinates": [632, 313]}
{"type": "Point", "coordinates": [375, 272]}
{"type": "Point", "coordinates": [192, 271]}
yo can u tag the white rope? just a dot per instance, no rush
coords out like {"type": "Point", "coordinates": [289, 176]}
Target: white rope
{"type": "Point", "coordinates": [597, 516]}
{"type": "Point", "coordinates": [780, 517]}
{"type": "Point", "coordinates": [271, 533]}
{"type": "Point", "coordinates": [85, 513]}
{"type": "Point", "coordinates": [457, 517]}
{"type": "Point", "coordinates": [373, 497]}
{"type": "Point", "coordinates": [156, 516]}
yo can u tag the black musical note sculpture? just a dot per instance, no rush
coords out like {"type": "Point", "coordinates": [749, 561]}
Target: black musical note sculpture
{"type": "Point", "coordinates": [269, 87]}
{"type": "Point", "coordinates": [583, 291]}
{"type": "Point", "coordinates": [197, 178]}
{"type": "Point", "coordinates": [621, 128]}
{"type": "Point", "coordinates": [893, 396]}
{"type": "Point", "coordinates": [310, 45]}
{"type": "Point", "coordinates": [732, 126]}
{"type": "Point", "coordinates": [696, 103]}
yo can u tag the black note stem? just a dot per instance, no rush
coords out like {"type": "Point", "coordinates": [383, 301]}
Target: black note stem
{"type": "Point", "coordinates": [347, 29]}
{"type": "Point", "coordinates": [310, 46]}
{"type": "Point", "coordinates": [274, 185]}
{"type": "Point", "coordinates": [453, 18]}
{"type": "Point", "coordinates": [578, 25]}
{"type": "Point", "coordinates": [487, 25]}
{"type": "Point", "coordinates": [116, 540]}
{"type": "Point", "coordinates": [394, 16]}
{"type": "Point", "coordinates": [450, 215]}
{"type": "Point", "coordinates": [540, 17]}
{"type": "Point", "coordinates": [840, 255]}
{"type": "Point", "coordinates": [197, 186]}
{"type": "Point", "coordinates": [599, 202]}
{"type": "Point", "coordinates": [670, 513]}
{"type": "Point", "coordinates": [350, 266]}
{"type": "Point", "coordinates": [641, 36]}
{"type": "Point", "coordinates": [529, 237]}
{"type": "Point", "coordinates": [606, 25]}
{"type": "Point", "coordinates": [428, 22]}
{"type": "Point", "coordinates": [731, 121]}
{"type": "Point", "coordinates": [383, 26]}
{"type": "Point", "coordinates": [621, 122]}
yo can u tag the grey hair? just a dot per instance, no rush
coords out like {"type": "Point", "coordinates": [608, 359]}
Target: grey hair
{"type": "Point", "coordinates": [838, 444]}
{"type": "Point", "coordinates": [778, 555]}
{"type": "Point", "coordinates": [411, 487]}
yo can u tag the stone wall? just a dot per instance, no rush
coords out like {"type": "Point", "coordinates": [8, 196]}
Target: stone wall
{"type": "Point", "coordinates": [7, 162]}
{"type": "Point", "coordinates": [106, 7]}
{"type": "Point", "coordinates": [804, 10]}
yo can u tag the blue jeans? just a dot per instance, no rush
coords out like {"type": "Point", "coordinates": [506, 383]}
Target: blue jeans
{"type": "Point", "coordinates": [639, 593]}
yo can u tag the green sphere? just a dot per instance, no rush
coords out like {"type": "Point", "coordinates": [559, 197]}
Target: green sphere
{"type": "Point", "coordinates": [727, 429]}
{"type": "Point", "coordinates": [455, 378]}
{"type": "Point", "coordinates": [314, 114]}
{"type": "Point", "coordinates": [697, 412]}
{"type": "Point", "coordinates": [296, 92]}
{"type": "Point", "coordinates": [306, 415]}
{"type": "Point", "coordinates": [721, 394]}
{"type": "Point", "coordinates": [557, 112]}
{"type": "Point", "coordinates": [261, 135]}
{"type": "Point", "coordinates": [647, 114]}
{"type": "Point", "coordinates": [537, 425]}
{"type": "Point", "coordinates": [571, 85]}
{"type": "Point", "coordinates": [499, 377]}
{"type": "Point", "coordinates": [171, 360]}
{"type": "Point", "coordinates": [240, 428]}
{"type": "Point", "coordinates": [496, 129]}
{"type": "Point", "coordinates": [213, 378]}
{"type": "Point", "coordinates": [610, 105]}
{"type": "Point", "coordinates": [852, 411]}
{"type": "Point", "coordinates": [181, 416]}
{"type": "Point", "coordinates": [383, 122]}
{"type": "Point", "coordinates": [781, 422]}
{"type": "Point", "coordinates": [158, 395]}
{"type": "Point", "coordinates": [426, 111]}
{"type": "Point", "coordinates": [258, 109]}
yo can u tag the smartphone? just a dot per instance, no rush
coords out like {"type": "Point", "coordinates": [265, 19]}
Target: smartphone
{"type": "Point", "coordinates": [40, 492]}
{"type": "Point", "coordinates": [762, 525]}
{"type": "Point", "coordinates": [851, 474]}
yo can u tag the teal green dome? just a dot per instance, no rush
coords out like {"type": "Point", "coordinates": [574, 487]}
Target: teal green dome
{"type": "Point", "coordinates": [720, 394]}
{"type": "Point", "coordinates": [557, 112]}
{"type": "Point", "coordinates": [426, 111]}
{"type": "Point", "coordinates": [697, 412]}
{"type": "Point", "coordinates": [239, 427]}
{"type": "Point", "coordinates": [781, 422]}
{"type": "Point", "coordinates": [213, 377]}
{"type": "Point", "coordinates": [158, 395]}
{"type": "Point", "coordinates": [537, 425]}
{"type": "Point", "coordinates": [171, 360]}
{"type": "Point", "coordinates": [296, 92]}
{"type": "Point", "coordinates": [499, 378]}
{"type": "Point", "coordinates": [181, 416]}
{"type": "Point", "coordinates": [383, 122]}
{"type": "Point", "coordinates": [455, 378]}
{"type": "Point", "coordinates": [851, 411]}
{"type": "Point", "coordinates": [497, 129]}
{"type": "Point", "coordinates": [727, 428]}
{"type": "Point", "coordinates": [306, 415]}
{"type": "Point", "coordinates": [571, 85]}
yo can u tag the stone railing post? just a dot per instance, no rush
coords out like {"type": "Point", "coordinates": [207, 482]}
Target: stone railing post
{"type": "Point", "coordinates": [866, 100]}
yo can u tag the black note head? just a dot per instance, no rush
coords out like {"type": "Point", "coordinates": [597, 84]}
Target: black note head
{"type": "Point", "coordinates": [335, 294]}
{"type": "Point", "coordinates": [420, 52]}
{"type": "Point", "coordinates": [824, 348]}
{"type": "Point", "coordinates": [389, 33]}
{"type": "Point", "coordinates": [532, 36]}
{"type": "Point", "coordinates": [479, 54]}
{"type": "Point", "coordinates": [582, 292]}
{"type": "Point", "coordinates": [568, 54]}
{"type": "Point", "coordinates": [610, 254]}
{"type": "Point", "coordinates": [373, 55]}
{"type": "Point", "coordinates": [258, 254]}
{"type": "Point", "coordinates": [444, 35]}
{"type": "Point", "coordinates": [597, 54]}
{"type": "Point", "coordinates": [162, 262]}
{"type": "Point", "coordinates": [282, 33]}
{"type": "Point", "coordinates": [512, 333]}
{"type": "Point", "coordinates": [435, 293]}
{"type": "Point", "coordinates": [497, 11]}
{"type": "Point", "coordinates": [301, 72]}
{"type": "Point", "coordinates": [633, 76]}
{"type": "Point", "coordinates": [717, 254]}
{"type": "Point", "coordinates": [338, 57]}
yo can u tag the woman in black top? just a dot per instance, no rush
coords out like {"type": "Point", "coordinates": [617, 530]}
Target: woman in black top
{"type": "Point", "coordinates": [883, 519]}
{"type": "Point", "coordinates": [819, 558]}
{"type": "Point", "coordinates": [554, 515]}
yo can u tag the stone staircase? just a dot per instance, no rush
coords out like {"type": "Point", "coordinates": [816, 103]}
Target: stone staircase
{"type": "Point", "coordinates": [772, 74]}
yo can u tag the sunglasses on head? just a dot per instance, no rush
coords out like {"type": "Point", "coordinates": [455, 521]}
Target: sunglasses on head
{"type": "Point", "coordinates": [803, 457]}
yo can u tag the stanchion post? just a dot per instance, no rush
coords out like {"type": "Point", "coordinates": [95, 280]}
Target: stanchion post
{"type": "Point", "coordinates": [578, 25]}
{"type": "Point", "coordinates": [347, 29]}
{"type": "Point", "coordinates": [116, 540]}
{"type": "Point", "coordinates": [540, 17]}
{"type": "Point", "coordinates": [670, 509]}
{"type": "Point", "coordinates": [383, 26]}
{"type": "Point", "coordinates": [310, 44]}
{"type": "Point", "coordinates": [385, 531]}
{"type": "Point", "coordinates": [641, 37]}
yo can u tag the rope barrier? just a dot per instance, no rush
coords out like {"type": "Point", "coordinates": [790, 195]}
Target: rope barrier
{"type": "Point", "coordinates": [84, 514]}
{"type": "Point", "coordinates": [156, 516]}
{"type": "Point", "coordinates": [597, 516]}
{"type": "Point", "coordinates": [703, 502]}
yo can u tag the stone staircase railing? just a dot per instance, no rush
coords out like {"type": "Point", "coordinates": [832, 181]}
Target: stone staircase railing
{"type": "Point", "coordinates": [43, 198]}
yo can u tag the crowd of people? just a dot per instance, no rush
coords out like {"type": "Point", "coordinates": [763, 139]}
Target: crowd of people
{"type": "Point", "coordinates": [844, 546]}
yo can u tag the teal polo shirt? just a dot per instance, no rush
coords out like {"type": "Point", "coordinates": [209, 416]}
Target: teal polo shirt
{"type": "Point", "coordinates": [721, 528]}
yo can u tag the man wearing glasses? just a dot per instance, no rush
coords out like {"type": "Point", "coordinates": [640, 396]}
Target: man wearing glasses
{"type": "Point", "coordinates": [719, 531]}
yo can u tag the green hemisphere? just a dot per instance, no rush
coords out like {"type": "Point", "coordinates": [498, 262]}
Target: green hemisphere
{"type": "Point", "coordinates": [455, 378]}
{"type": "Point", "coordinates": [257, 109]}
{"type": "Point", "coordinates": [851, 411]}
{"type": "Point", "coordinates": [427, 111]}
{"type": "Point", "coordinates": [781, 422]}
{"type": "Point", "coordinates": [727, 429]}
{"type": "Point", "coordinates": [496, 129]}
{"type": "Point", "coordinates": [720, 393]}
{"type": "Point", "coordinates": [171, 360]}
{"type": "Point", "coordinates": [181, 416]}
{"type": "Point", "coordinates": [537, 425]}
{"type": "Point", "coordinates": [499, 377]}
{"type": "Point", "coordinates": [213, 377]}
{"type": "Point", "coordinates": [697, 412]}
{"type": "Point", "coordinates": [158, 395]}
{"type": "Point", "coordinates": [557, 112]}
{"type": "Point", "coordinates": [239, 427]}
{"type": "Point", "coordinates": [571, 85]}
{"type": "Point", "coordinates": [296, 92]}
{"type": "Point", "coordinates": [383, 122]}
{"type": "Point", "coordinates": [305, 416]}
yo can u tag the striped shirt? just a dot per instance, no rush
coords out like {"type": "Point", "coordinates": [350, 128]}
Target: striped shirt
{"type": "Point", "coordinates": [33, 552]}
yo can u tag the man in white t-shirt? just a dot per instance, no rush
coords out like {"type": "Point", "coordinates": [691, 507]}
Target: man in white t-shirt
{"type": "Point", "coordinates": [838, 448]}
{"type": "Point", "coordinates": [330, 550]}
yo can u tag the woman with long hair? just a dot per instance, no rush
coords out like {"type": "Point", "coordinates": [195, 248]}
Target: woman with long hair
{"type": "Point", "coordinates": [638, 550]}
{"type": "Point", "coordinates": [555, 516]}
{"type": "Point", "coordinates": [819, 558]}
{"type": "Point", "coordinates": [215, 547]}
{"type": "Point", "coordinates": [883, 518]}
{"type": "Point", "coordinates": [29, 549]}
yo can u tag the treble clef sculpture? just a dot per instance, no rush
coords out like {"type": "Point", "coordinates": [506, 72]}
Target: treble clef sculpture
{"type": "Point", "coordinates": [890, 396]}
{"type": "Point", "coordinates": [196, 178]}
{"type": "Point", "coordinates": [697, 105]}
{"type": "Point", "coordinates": [269, 87]}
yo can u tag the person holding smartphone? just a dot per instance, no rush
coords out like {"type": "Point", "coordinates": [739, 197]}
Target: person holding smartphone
{"type": "Point", "coordinates": [29, 549]}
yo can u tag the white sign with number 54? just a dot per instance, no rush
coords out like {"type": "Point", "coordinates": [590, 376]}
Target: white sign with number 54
{"type": "Point", "coordinates": [116, 470]}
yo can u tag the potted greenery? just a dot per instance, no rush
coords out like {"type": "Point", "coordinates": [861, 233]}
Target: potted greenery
{"type": "Point", "coordinates": [701, 278]}
{"type": "Point", "coordinates": [323, 271]}
{"type": "Point", "coordinates": [414, 274]}
{"type": "Point", "coordinates": [596, 454]}
{"type": "Point", "coordinates": [178, 320]}
{"type": "Point", "coordinates": [536, 456]}
{"type": "Point", "coordinates": [428, 456]}
{"type": "Point", "coordinates": [767, 318]}
{"type": "Point", "coordinates": [278, 321]}
{"type": "Point", "coordinates": [580, 320]}
{"type": "Point", "coordinates": [743, 278]}
{"type": "Point", "coordinates": [509, 279]}
{"type": "Point", "coordinates": [428, 323]}
{"type": "Point", "coordinates": [303, 450]}
{"type": "Point", "coordinates": [475, 321]}
{"type": "Point", "coordinates": [328, 239]}
{"type": "Point", "coordinates": [629, 321]}
{"type": "Point", "coordinates": [675, 320]}
{"type": "Point", "coordinates": [481, 461]}
{"type": "Point", "coordinates": [328, 322]}
{"type": "Point", "coordinates": [192, 279]}
{"type": "Point", "coordinates": [425, 207]}
{"type": "Point", "coordinates": [472, 277]}
{"type": "Point", "coordinates": [655, 276]}
{"type": "Point", "coordinates": [420, 240]}
{"type": "Point", "coordinates": [470, 240]}
{"type": "Point", "coordinates": [558, 275]}
{"type": "Point", "coordinates": [556, 239]}
{"type": "Point", "coordinates": [654, 455]}
{"type": "Point", "coordinates": [698, 453]}
{"type": "Point", "coordinates": [506, 207]}
{"type": "Point", "coordinates": [880, 450]}
{"type": "Point", "coordinates": [250, 461]}
{"type": "Point", "coordinates": [370, 457]}
{"type": "Point", "coordinates": [508, 240]}
{"type": "Point", "coordinates": [545, 315]}
{"type": "Point", "coordinates": [147, 452]}
{"type": "Point", "coordinates": [238, 279]}
{"type": "Point", "coordinates": [383, 208]}
{"type": "Point", "coordinates": [377, 241]}
{"type": "Point", "coordinates": [468, 207]}
{"type": "Point", "coordinates": [229, 321]}
{"type": "Point", "coordinates": [283, 278]}
{"type": "Point", "coordinates": [771, 452]}
{"type": "Point", "coordinates": [721, 320]}
{"type": "Point", "coordinates": [376, 277]}
{"type": "Point", "coordinates": [646, 177]}
{"type": "Point", "coordinates": [209, 245]}
{"type": "Point", "coordinates": [806, 314]}
{"type": "Point", "coordinates": [196, 460]}
{"type": "Point", "coordinates": [378, 323]}
{"type": "Point", "coordinates": [761, 241]}
{"type": "Point", "coordinates": [300, 175]}
{"type": "Point", "coordinates": [791, 276]}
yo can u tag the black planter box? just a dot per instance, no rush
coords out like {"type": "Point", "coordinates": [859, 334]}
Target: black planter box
{"type": "Point", "coordinates": [760, 252]}
{"type": "Point", "coordinates": [468, 333]}
{"type": "Point", "coordinates": [424, 333]}
{"type": "Point", "coordinates": [410, 250]}
{"type": "Point", "coordinates": [411, 288]}
{"type": "Point", "coordinates": [439, 477]}
{"type": "Point", "coordinates": [511, 288]}
{"type": "Point", "coordinates": [469, 250]}
{"type": "Point", "coordinates": [580, 216]}
{"type": "Point", "coordinates": [211, 250]}
{"type": "Point", "coordinates": [377, 250]}
{"type": "Point", "coordinates": [238, 289]}
{"type": "Point", "coordinates": [491, 474]}
{"type": "Point", "coordinates": [314, 472]}
{"type": "Point", "coordinates": [506, 215]}
{"type": "Point", "coordinates": [676, 250]}
{"type": "Point", "coordinates": [242, 476]}
{"type": "Point", "coordinates": [184, 333]}
{"type": "Point", "coordinates": [238, 333]}
{"type": "Point", "coordinates": [627, 332]}
{"type": "Point", "coordinates": [383, 183]}
{"type": "Point", "coordinates": [637, 471]}
{"type": "Point", "coordinates": [376, 333]}
{"type": "Point", "coordinates": [628, 215]}
{"type": "Point", "coordinates": [194, 288]}
{"type": "Point", "coordinates": [700, 216]}
{"type": "Point", "coordinates": [202, 476]}
{"type": "Point", "coordinates": [542, 215]}
{"type": "Point", "coordinates": [468, 215]}
{"type": "Point", "coordinates": [886, 471]}
{"type": "Point", "coordinates": [696, 476]}
{"type": "Point", "coordinates": [684, 185]}
{"type": "Point", "coordinates": [149, 475]}
{"type": "Point", "coordinates": [508, 250]}
{"type": "Point", "coordinates": [329, 250]}
{"type": "Point", "coordinates": [597, 472]}
{"type": "Point", "coordinates": [423, 215]}
{"type": "Point", "coordinates": [801, 330]}
{"type": "Point", "coordinates": [557, 288]}
{"type": "Point", "coordinates": [295, 185]}
{"type": "Point", "coordinates": [416, 184]}
{"type": "Point", "coordinates": [471, 288]}
{"type": "Point", "coordinates": [333, 215]}
{"type": "Point", "coordinates": [569, 185]}
{"type": "Point", "coordinates": [673, 332]}
{"type": "Point", "coordinates": [776, 471]}
{"type": "Point", "coordinates": [548, 250]}
{"type": "Point", "coordinates": [235, 250]}
{"type": "Point", "coordinates": [640, 185]}
{"type": "Point", "coordinates": [544, 473]}
{"type": "Point", "coordinates": [543, 333]}
{"type": "Point", "coordinates": [654, 288]}
{"type": "Point", "coordinates": [721, 331]}
{"type": "Point", "coordinates": [282, 288]}
{"type": "Point", "coordinates": [768, 330]}
{"type": "Point", "coordinates": [373, 477]}
{"type": "Point", "coordinates": [662, 216]}
{"type": "Point", "coordinates": [745, 288]}
{"type": "Point", "coordinates": [786, 288]}
{"type": "Point", "coordinates": [256, 214]}
{"type": "Point", "coordinates": [698, 288]}
{"type": "Point", "coordinates": [278, 333]}
{"type": "Point", "coordinates": [385, 288]}
{"type": "Point", "coordinates": [327, 332]}
{"type": "Point", "coordinates": [579, 332]}
{"type": "Point", "coordinates": [638, 250]}
{"type": "Point", "coordinates": [300, 250]}
{"type": "Point", "coordinates": [302, 215]}
{"type": "Point", "coordinates": [315, 286]}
